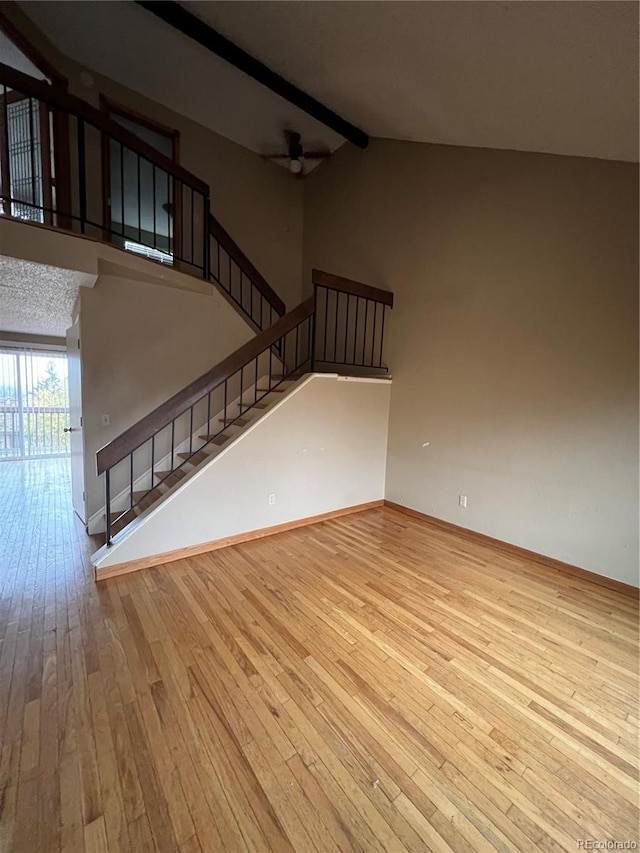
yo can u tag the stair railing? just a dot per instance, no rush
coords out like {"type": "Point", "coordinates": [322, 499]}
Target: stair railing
{"type": "Point", "coordinates": [341, 326]}
{"type": "Point", "coordinates": [349, 322]}
{"type": "Point", "coordinates": [240, 281]}
{"type": "Point", "coordinates": [151, 448]}
{"type": "Point", "coordinates": [67, 165]}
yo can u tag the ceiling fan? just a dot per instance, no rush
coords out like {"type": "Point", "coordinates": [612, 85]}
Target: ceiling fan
{"type": "Point", "coordinates": [296, 154]}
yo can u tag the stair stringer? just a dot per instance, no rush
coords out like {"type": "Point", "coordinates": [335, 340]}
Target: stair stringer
{"type": "Point", "coordinates": [353, 415]}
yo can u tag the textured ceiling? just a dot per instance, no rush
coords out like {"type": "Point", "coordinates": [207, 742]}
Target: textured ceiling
{"type": "Point", "coordinates": [559, 77]}
{"type": "Point", "coordinates": [37, 299]}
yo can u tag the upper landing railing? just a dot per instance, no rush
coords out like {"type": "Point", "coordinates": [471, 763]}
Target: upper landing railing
{"type": "Point", "coordinates": [67, 165]}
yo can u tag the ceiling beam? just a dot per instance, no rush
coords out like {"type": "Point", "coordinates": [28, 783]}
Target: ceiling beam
{"type": "Point", "coordinates": [190, 25]}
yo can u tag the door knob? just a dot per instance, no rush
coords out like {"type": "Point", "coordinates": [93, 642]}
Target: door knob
{"type": "Point", "coordinates": [68, 429]}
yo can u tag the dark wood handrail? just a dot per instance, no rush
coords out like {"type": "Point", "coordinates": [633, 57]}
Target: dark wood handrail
{"type": "Point", "coordinates": [159, 418]}
{"type": "Point", "coordinates": [55, 97]}
{"type": "Point", "coordinates": [22, 42]}
{"type": "Point", "coordinates": [347, 285]}
{"type": "Point", "coordinates": [235, 253]}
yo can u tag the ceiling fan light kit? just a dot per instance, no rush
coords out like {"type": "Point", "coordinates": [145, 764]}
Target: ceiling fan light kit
{"type": "Point", "coordinates": [295, 154]}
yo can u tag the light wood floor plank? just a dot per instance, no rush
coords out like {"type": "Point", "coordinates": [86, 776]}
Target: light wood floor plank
{"type": "Point", "coordinates": [371, 683]}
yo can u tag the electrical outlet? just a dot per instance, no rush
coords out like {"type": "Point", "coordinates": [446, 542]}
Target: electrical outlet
{"type": "Point", "coordinates": [462, 501]}
{"type": "Point", "coordinates": [106, 420]}
{"type": "Point", "coordinates": [271, 498]}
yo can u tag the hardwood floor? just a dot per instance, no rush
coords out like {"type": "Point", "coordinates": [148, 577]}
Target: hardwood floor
{"type": "Point", "coordinates": [367, 684]}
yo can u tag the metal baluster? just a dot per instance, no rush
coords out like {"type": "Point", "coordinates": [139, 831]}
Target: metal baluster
{"type": "Point", "coordinates": [255, 386]}
{"type": "Point", "coordinates": [107, 487]}
{"type": "Point", "coordinates": [375, 323]}
{"type": "Point", "coordinates": [32, 152]}
{"type": "Point", "coordinates": [346, 328]}
{"type": "Point", "coordinates": [192, 229]}
{"type": "Point", "coordinates": [355, 334]}
{"type": "Point", "coordinates": [312, 340]}
{"type": "Point", "coordinates": [171, 224]}
{"type": "Point", "coordinates": [206, 244]}
{"type": "Point", "coordinates": [153, 184]}
{"type": "Point", "coordinates": [366, 325]}
{"type": "Point", "coordinates": [326, 320]}
{"type": "Point", "coordinates": [131, 479]}
{"type": "Point", "coordinates": [335, 330]}
{"type": "Point", "coordinates": [121, 188]}
{"type": "Point", "coordinates": [6, 165]}
{"type": "Point", "coordinates": [284, 356]}
{"type": "Point", "coordinates": [139, 205]}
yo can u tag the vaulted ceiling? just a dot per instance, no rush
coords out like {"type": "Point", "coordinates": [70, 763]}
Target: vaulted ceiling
{"type": "Point", "coordinates": [559, 77]}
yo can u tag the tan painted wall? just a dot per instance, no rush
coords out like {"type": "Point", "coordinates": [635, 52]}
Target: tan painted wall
{"type": "Point", "coordinates": [514, 340]}
{"type": "Point", "coordinates": [141, 343]}
{"type": "Point", "coordinates": [259, 203]}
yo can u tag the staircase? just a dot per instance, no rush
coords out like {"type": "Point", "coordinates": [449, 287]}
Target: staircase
{"type": "Point", "coordinates": [67, 183]}
{"type": "Point", "coordinates": [339, 329]}
{"type": "Point", "coordinates": [126, 507]}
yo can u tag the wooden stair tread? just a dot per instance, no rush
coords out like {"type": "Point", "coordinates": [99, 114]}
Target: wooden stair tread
{"type": "Point", "coordinates": [195, 458]}
{"type": "Point", "coordinates": [143, 500]}
{"type": "Point", "coordinates": [172, 477]}
{"type": "Point", "coordinates": [129, 515]}
{"type": "Point", "coordinates": [215, 439]}
{"type": "Point", "coordinates": [237, 422]}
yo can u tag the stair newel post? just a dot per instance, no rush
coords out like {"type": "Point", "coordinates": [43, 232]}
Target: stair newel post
{"type": "Point", "coordinates": [107, 486]}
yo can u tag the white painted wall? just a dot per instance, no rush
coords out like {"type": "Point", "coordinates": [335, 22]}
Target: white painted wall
{"type": "Point", "coordinates": [321, 449]}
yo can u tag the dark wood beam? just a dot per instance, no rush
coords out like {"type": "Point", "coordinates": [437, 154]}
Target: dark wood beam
{"type": "Point", "coordinates": [190, 25]}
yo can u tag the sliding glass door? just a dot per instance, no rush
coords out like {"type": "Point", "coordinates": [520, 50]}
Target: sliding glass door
{"type": "Point", "coordinates": [34, 403]}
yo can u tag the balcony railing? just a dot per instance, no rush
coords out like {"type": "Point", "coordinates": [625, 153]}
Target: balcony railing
{"type": "Point", "coordinates": [68, 165]}
{"type": "Point", "coordinates": [33, 431]}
